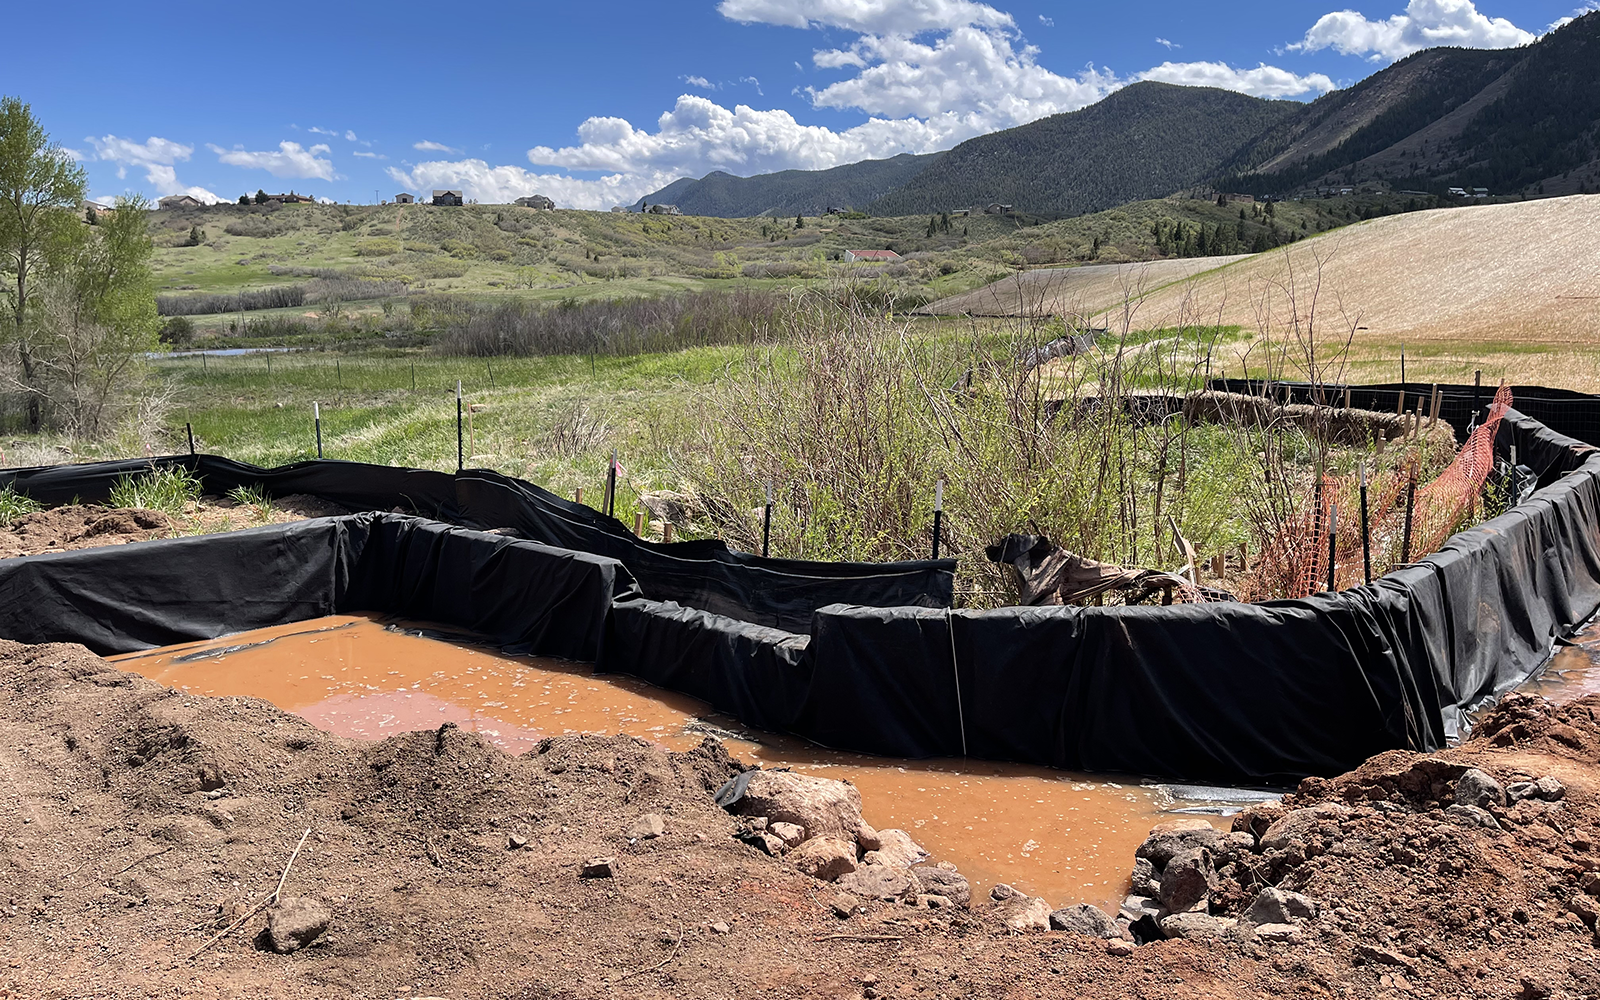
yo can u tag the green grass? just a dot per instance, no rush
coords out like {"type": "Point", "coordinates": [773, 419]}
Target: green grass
{"type": "Point", "coordinates": [13, 505]}
{"type": "Point", "coordinates": [167, 490]}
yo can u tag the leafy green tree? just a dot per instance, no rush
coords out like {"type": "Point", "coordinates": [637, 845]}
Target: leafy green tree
{"type": "Point", "coordinates": [244, 199]}
{"type": "Point", "coordinates": [40, 186]}
{"type": "Point", "coordinates": [90, 217]}
{"type": "Point", "coordinates": [197, 235]}
{"type": "Point", "coordinates": [179, 330]}
{"type": "Point", "coordinates": [261, 196]}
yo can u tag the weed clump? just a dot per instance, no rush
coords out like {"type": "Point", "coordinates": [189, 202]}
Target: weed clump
{"type": "Point", "coordinates": [169, 489]}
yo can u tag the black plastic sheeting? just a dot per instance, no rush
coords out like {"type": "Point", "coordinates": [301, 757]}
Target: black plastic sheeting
{"type": "Point", "coordinates": [121, 599]}
{"type": "Point", "coordinates": [1237, 693]}
{"type": "Point", "coordinates": [779, 593]}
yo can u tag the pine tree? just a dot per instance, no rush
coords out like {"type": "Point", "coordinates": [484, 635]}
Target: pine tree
{"type": "Point", "coordinates": [799, 223]}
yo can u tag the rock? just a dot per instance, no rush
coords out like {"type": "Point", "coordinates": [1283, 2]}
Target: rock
{"type": "Point", "coordinates": [1375, 955]}
{"type": "Point", "coordinates": [754, 824]}
{"type": "Point", "coordinates": [946, 882]}
{"type": "Point", "coordinates": [1186, 880]}
{"type": "Point", "coordinates": [296, 922]}
{"type": "Point", "coordinates": [1255, 819]}
{"type": "Point", "coordinates": [1471, 816]}
{"type": "Point", "coordinates": [1195, 926]}
{"type": "Point", "coordinates": [1585, 907]}
{"type": "Point", "coordinates": [886, 882]}
{"type": "Point", "coordinates": [1550, 789]}
{"type": "Point", "coordinates": [1516, 791]}
{"type": "Point", "coordinates": [895, 847]}
{"type": "Point", "coordinates": [1278, 932]}
{"type": "Point", "coordinates": [825, 858]}
{"type": "Point", "coordinates": [648, 827]}
{"type": "Point", "coordinates": [1021, 912]}
{"type": "Point", "coordinates": [601, 867]}
{"type": "Point", "coordinates": [1120, 949]}
{"type": "Point", "coordinates": [1176, 836]}
{"type": "Point", "coordinates": [767, 843]}
{"type": "Point", "coordinates": [1145, 880]}
{"type": "Point", "coordinates": [1275, 906]}
{"type": "Point", "coordinates": [844, 905]}
{"type": "Point", "coordinates": [1477, 788]}
{"type": "Point", "coordinates": [1591, 883]}
{"type": "Point", "coordinates": [867, 837]}
{"type": "Point", "coordinates": [929, 901]}
{"type": "Point", "coordinates": [1090, 921]}
{"type": "Point", "coordinates": [820, 806]}
{"type": "Point", "coordinates": [790, 833]}
{"type": "Point", "coordinates": [1296, 827]}
{"type": "Point", "coordinates": [1136, 906]}
{"type": "Point", "coordinates": [516, 842]}
{"type": "Point", "coordinates": [720, 928]}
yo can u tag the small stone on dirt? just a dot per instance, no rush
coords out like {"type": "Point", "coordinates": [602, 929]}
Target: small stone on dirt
{"type": "Point", "coordinates": [1549, 789]}
{"type": "Point", "coordinates": [720, 928]}
{"type": "Point", "coordinates": [603, 867]}
{"type": "Point", "coordinates": [1472, 816]}
{"type": "Point", "coordinates": [790, 833]}
{"type": "Point", "coordinates": [825, 858]}
{"type": "Point", "coordinates": [1275, 906]}
{"type": "Point", "coordinates": [1018, 910]}
{"type": "Point", "coordinates": [296, 922]}
{"type": "Point", "coordinates": [1278, 932]}
{"type": "Point", "coordinates": [648, 827]}
{"type": "Point", "coordinates": [885, 882]}
{"type": "Point", "coordinates": [1186, 880]}
{"type": "Point", "coordinates": [1119, 949]}
{"type": "Point", "coordinates": [946, 882]}
{"type": "Point", "coordinates": [1090, 921]}
{"type": "Point", "coordinates": [822, 806]}
{"type": "Point", "coordinates": [844, 905]}
{"type": "Point", "coordinates": [516, 842]}
{"type": "Point", "coordinates": [1478, 788]}
{"type": "Point", "coordinates": [895, 847]}
{"type": "Point", "coordinates": [1195, 926]}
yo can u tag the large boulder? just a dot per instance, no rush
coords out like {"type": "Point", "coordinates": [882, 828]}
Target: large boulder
{"type": "Point", "coordinates": [820, 806]}
{"type": "Point", "coordinates": [1195, 926]}
{"type": "Point", "coordinates": [1186, 881]}
{"type": "Point", "coordinates": [1275, 906]}
{"type": "Point", "coordinates": [1090, 921]}
{"type": "Point", "coordinates": [943, 880]}
{"type": "Point", "coordinates": [895, 847]}
{"type": "Point", "coordinates": [1174, 836]}
{"type": "Point", "coordinates": [826, 858]}
{"type": "Point", "coordinates": [1304, 827]}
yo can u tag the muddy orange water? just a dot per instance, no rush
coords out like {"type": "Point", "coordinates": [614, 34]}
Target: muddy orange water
{"type": "Point", "coordinates": [1574, 671]}
{"type": "Point", "coordinates": [1069, 838]}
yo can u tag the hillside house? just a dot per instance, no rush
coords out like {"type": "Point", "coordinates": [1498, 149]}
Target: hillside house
{"type": "Point", "coordinates": [291, 199]}
{"type": "Point", "coordinates": [179, 201]}
{"type": "Point", "coordinates": [536, 201]}
{"type": "Point", "coordinates": [995, 208]}
{"type": "Point", "coordinates": [404, 199]}
{"type": "Point", "coordinates": [1480, 192]}
{"type": "Point", "coordinates": [959, 213]}
{"type": "Point", "coordinates": [447, 197]}
{"type": "Point", "coordinates": [1457, 192]}
{"type": "Point", "coordinates": [870, 256]}
{"type": "Point", "coordinates": [663, 210]}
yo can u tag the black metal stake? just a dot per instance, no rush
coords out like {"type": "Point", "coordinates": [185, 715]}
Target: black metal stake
{"type": "Point", "coordinates": [413, 376]}
{"type": "Point", "coordinates": [1366, 531]}
{"type": "Point", "coordinates": [766, 524]}
{"type": "Point", "coordinates": [189, 429]}
{"type": "Point", "coordinates": [1333, 542]}
{"type": "Point", "coordinates": [1402, 364]}
{"type": "Point", "coordinates": [316, 415]}
{"type": "Point", "coordinates": [338, 375]}
{"type": "Point", "coordinates": [490, 371]}
{"type": "Point", "coordinates": [938, 515]}
{"type": "Point", "coordinates": [1516, 491]}
{"type": "Point", "coordinates": [461, 452]}
{"type": "Point", "coordinates": [1411, 504]}
{"type": "Point", "coordinates": [611, 484]}
{"type": "Point", "coordinates": [205, 369]}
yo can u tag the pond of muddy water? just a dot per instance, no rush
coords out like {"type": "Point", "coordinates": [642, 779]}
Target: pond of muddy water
{"type": "Point", "coordinates": [1067, 837]}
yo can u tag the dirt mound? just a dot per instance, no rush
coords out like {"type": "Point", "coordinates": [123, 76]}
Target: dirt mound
{"type": "Point", "coordinates": [87, 526]}
{"type": "Point", "coordinates": [137, 821]}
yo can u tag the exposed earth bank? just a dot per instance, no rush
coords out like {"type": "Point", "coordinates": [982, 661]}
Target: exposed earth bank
{"type": "Point", "coordinates": [138, 821]}
{"type": "Point", "coordinates": [87, 526]}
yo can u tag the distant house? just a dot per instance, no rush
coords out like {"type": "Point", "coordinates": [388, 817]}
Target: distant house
{"type": "Point", "coordinates": [447, 197]}
{"type": "Point", "coordinates": [1457, 192]}
{"type": "Point", "coordinates": [179, 201]}
{"type": "Point", "coordinates": [957, 213]}
{"type": "Point", "coordinates": [537, 201]}
{"type": "Point", "coordinates": [291, 198]}
{"type": "Point", "coordinates": [867, 256]}
{"type": "Point", "coordinates": [835, 211]}
{"type": "Point", "coordinates": [664, 210]}
{"type": "Point", "coordinates": [620, 209]}
{"type": "Point", "coordinates": [1247, 199]}
{"type": "Point", "coordinates": [404, 199]}
{"type": "Point", "coordinates": [1480, 192]}
{"type": "Point", "coordinates": [995, 208]}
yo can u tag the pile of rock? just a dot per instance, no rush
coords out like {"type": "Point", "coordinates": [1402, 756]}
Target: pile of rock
{"type": "Point", "coordinates": [816, 824]}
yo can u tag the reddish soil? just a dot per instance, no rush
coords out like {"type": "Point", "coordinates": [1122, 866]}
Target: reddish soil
{"type": "Point", "coordinates": [87, 526]}
{"type": "Point", "coordinates": [136, 820]}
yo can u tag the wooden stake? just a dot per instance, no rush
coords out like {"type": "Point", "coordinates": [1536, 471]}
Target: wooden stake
{"type": "Point", "coordinates": [1400, 403]}
{"type": "Point", "coordinates": [666, 532]}
{"type": "Point", "coordinates": [577, 495]}
{"type": "Point", "coordinates": [638, 523]}
{"type": "Point", "coordinates": [1219, 567]}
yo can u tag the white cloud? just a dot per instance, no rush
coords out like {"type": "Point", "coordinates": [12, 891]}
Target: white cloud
{"type": "Point", "coordinates": [479, 181]}
{"type": "Point", "coordinates": [288, 160]}
{"type": "Point", "coordinates": [698, 81]}
{"type": "Point", "coordinates": [1048, 22]}
{"type": "Point", "coordinates": [157, 157]}
{"type": "Point", "coordinates": [365, 155]}
{"type": "Point", "coordinates": [867, 17]}
{"type": "Point", "coordinates": [350, 135]}
{"type": "Point", "coordinates": [1425, 24]}
{"type": "Point", "coordinates": [981, 75]}
{"type": "Point", "coordinates": [434, 147]}
{"type": "Point", "coordinates": [1169, 44]}
{"type": "Point", "coordinates": [1263, 81]}
{"type": "Point", "coordinates": [1561, 22]}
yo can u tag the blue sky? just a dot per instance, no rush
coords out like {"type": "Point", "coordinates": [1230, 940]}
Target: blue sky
{"type": "Point", "coordinates": [595, 104]}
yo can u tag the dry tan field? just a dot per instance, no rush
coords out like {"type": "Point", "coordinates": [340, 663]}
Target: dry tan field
{"type": "Point", "coordinates": [1512, 290]}
{"type": "Point", "coordinates": [1074, 291]}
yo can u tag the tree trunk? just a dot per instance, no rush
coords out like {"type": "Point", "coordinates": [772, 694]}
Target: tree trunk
{"type": "Point", "coordinates": [23, 354]}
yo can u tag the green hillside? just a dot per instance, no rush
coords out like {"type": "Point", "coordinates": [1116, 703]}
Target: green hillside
{"type": "Point", "coordinates": [790, 192]}
{"type": "Point", "coordinates": [1144, 141]}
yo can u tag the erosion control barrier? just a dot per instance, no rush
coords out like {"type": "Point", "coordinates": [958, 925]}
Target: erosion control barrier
{"type": "Point", "coordinates": [1228, 692]}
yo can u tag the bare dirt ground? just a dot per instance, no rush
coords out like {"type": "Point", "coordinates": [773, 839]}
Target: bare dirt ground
{"type": "Point", "coordinates": [84, 526]}
{"type": "Point", "coordinates": [137, 820]}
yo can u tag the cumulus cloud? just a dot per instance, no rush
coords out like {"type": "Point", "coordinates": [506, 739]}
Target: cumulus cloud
{"type": "Point", "coordinates": [156, 156]}
{"type": "Point", "coordinates": [479, 181]}
{"type": "Point", "coordinates": [434, 147]}
{"type": "Point", "coordinates": [1169, 44]}
{"type": "Point", "coordinates": [867, 17]}
{"type": "Point", "coordinates": [699, 81]}
{"type": "Point", "coordinates": [1425, 24]}
{"type": "Point", "coordinates": [1263, 81]}
{"type": "Point", "coordinates": [1048, 22]}
{"type": "Point", "coordinates": [290, 159]}
{"type": "Point", "coordinates": [1561, 22]}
